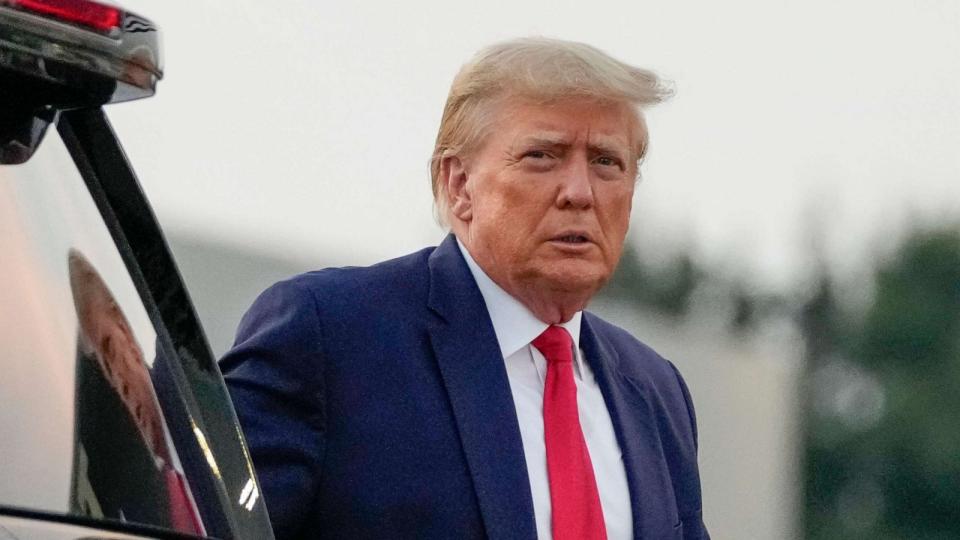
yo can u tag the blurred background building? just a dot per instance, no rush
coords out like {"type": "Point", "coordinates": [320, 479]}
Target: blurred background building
{"type": "Point", "coordinates": [794, 247]}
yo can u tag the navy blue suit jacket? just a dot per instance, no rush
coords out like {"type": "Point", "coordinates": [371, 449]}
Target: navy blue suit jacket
{"type": "Point", "coordinates": [376, 404]}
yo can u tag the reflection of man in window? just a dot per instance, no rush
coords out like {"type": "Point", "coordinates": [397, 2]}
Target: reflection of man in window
{"type": "Point", "coordinates": [123, 466]}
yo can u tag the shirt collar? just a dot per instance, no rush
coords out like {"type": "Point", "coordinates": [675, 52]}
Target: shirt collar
{"type": "Point", "coordinates": [514, 324]}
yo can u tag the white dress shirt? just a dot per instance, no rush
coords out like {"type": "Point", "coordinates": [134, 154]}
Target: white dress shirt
{"type": "Point", "coordinates": [516, 327]}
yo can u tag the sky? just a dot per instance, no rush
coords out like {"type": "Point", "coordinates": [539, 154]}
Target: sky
{"type": "Point", "coordinates": [303, 129]}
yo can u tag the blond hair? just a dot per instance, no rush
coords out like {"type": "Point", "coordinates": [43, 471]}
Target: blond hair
{"type": "Point", "coordinates": [539, 69]}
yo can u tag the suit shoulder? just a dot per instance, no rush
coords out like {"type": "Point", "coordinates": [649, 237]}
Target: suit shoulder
{"type": "Point", "coordinates": [299, 313]}
{"type": "Point", "coordinates": [402, 276]}
{"type": "Point", "coordinates": [641, 357]}
{"type": "Point", "coordinates": [640, 363]}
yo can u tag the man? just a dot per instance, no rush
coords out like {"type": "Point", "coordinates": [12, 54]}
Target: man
{"type": "Point", "coordinates": [461, 391]}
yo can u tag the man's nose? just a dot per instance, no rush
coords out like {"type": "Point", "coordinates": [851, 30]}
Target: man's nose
{"type": "Point", "coordinates": [576, 191]}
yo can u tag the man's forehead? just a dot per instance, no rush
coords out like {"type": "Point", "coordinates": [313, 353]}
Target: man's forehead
{"type": "Point", "coordinates": [514, 107]}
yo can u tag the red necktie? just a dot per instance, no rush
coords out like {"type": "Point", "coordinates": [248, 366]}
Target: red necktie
{"type": "Point", "coordinates": [574, 500]}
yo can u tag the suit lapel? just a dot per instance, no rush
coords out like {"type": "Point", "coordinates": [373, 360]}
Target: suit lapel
{"type": "Point", "coordinates": [634, 422]}
{"type": "Point", "coordinates": [476, 381]}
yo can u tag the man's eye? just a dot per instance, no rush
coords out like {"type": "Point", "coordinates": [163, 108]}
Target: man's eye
{"type": "Point", "coordinates": [607, 161]}
{"type": "Point", "coordinates": [536, 154]}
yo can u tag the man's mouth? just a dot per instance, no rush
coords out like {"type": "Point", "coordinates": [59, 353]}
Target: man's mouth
{"type": "Point", "coordinates": [572, 238]}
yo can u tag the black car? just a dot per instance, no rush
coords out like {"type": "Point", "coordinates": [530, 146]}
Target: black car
{"type": "Point", "coordinates": [114, 419]}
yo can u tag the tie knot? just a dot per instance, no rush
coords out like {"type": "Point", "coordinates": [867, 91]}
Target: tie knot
{"type": "Point", "coordinates": [556, 344]}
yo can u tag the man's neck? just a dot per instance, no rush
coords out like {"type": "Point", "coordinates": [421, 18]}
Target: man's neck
{"type": "Point", "coordinates": [513, 322]}
{"type": "Point", "coordinates": [551, 307]}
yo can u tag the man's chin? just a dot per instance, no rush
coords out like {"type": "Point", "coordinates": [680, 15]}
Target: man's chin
{"type": "Point", "coordinates": [575, 277]}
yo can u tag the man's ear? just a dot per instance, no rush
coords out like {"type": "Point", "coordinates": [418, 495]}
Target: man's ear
{"type": "Point", "coordinates": [453, 174]}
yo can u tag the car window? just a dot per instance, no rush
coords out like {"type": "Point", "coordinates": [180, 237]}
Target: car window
{"type": "Point", "coordinates": [82, 427]}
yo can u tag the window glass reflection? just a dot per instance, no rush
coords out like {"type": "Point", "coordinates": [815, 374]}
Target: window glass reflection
{"type": "Point", "coordinates": [81, 428]}
{"type": "Point", "coordinates": [124, 465]}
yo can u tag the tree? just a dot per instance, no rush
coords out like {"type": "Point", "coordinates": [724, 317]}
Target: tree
{"type": "Point", "coordinates": [882, 429]}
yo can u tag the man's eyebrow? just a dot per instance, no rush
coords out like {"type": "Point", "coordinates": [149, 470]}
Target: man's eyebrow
{"type": "Point", "coordinates": [599, 145]}
{"type": "Point", "coordinates": [609, 145]}
{"type": "Point", "coordinates": [603, 147]}
{"type": "Point", "coordinates": [543, 139]}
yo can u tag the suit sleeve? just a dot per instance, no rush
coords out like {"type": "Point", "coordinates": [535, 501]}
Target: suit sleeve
{"type": "Point", "coordinates": [275, 377]}
{"type": "Point", "coordinates": [692, 518]}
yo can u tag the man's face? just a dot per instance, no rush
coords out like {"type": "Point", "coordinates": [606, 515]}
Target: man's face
{"type": "Point", "coordinates": [550, 193]}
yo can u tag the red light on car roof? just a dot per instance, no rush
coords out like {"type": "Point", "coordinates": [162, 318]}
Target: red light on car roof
{"type": "Point", "coordinates": [83, 12]}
